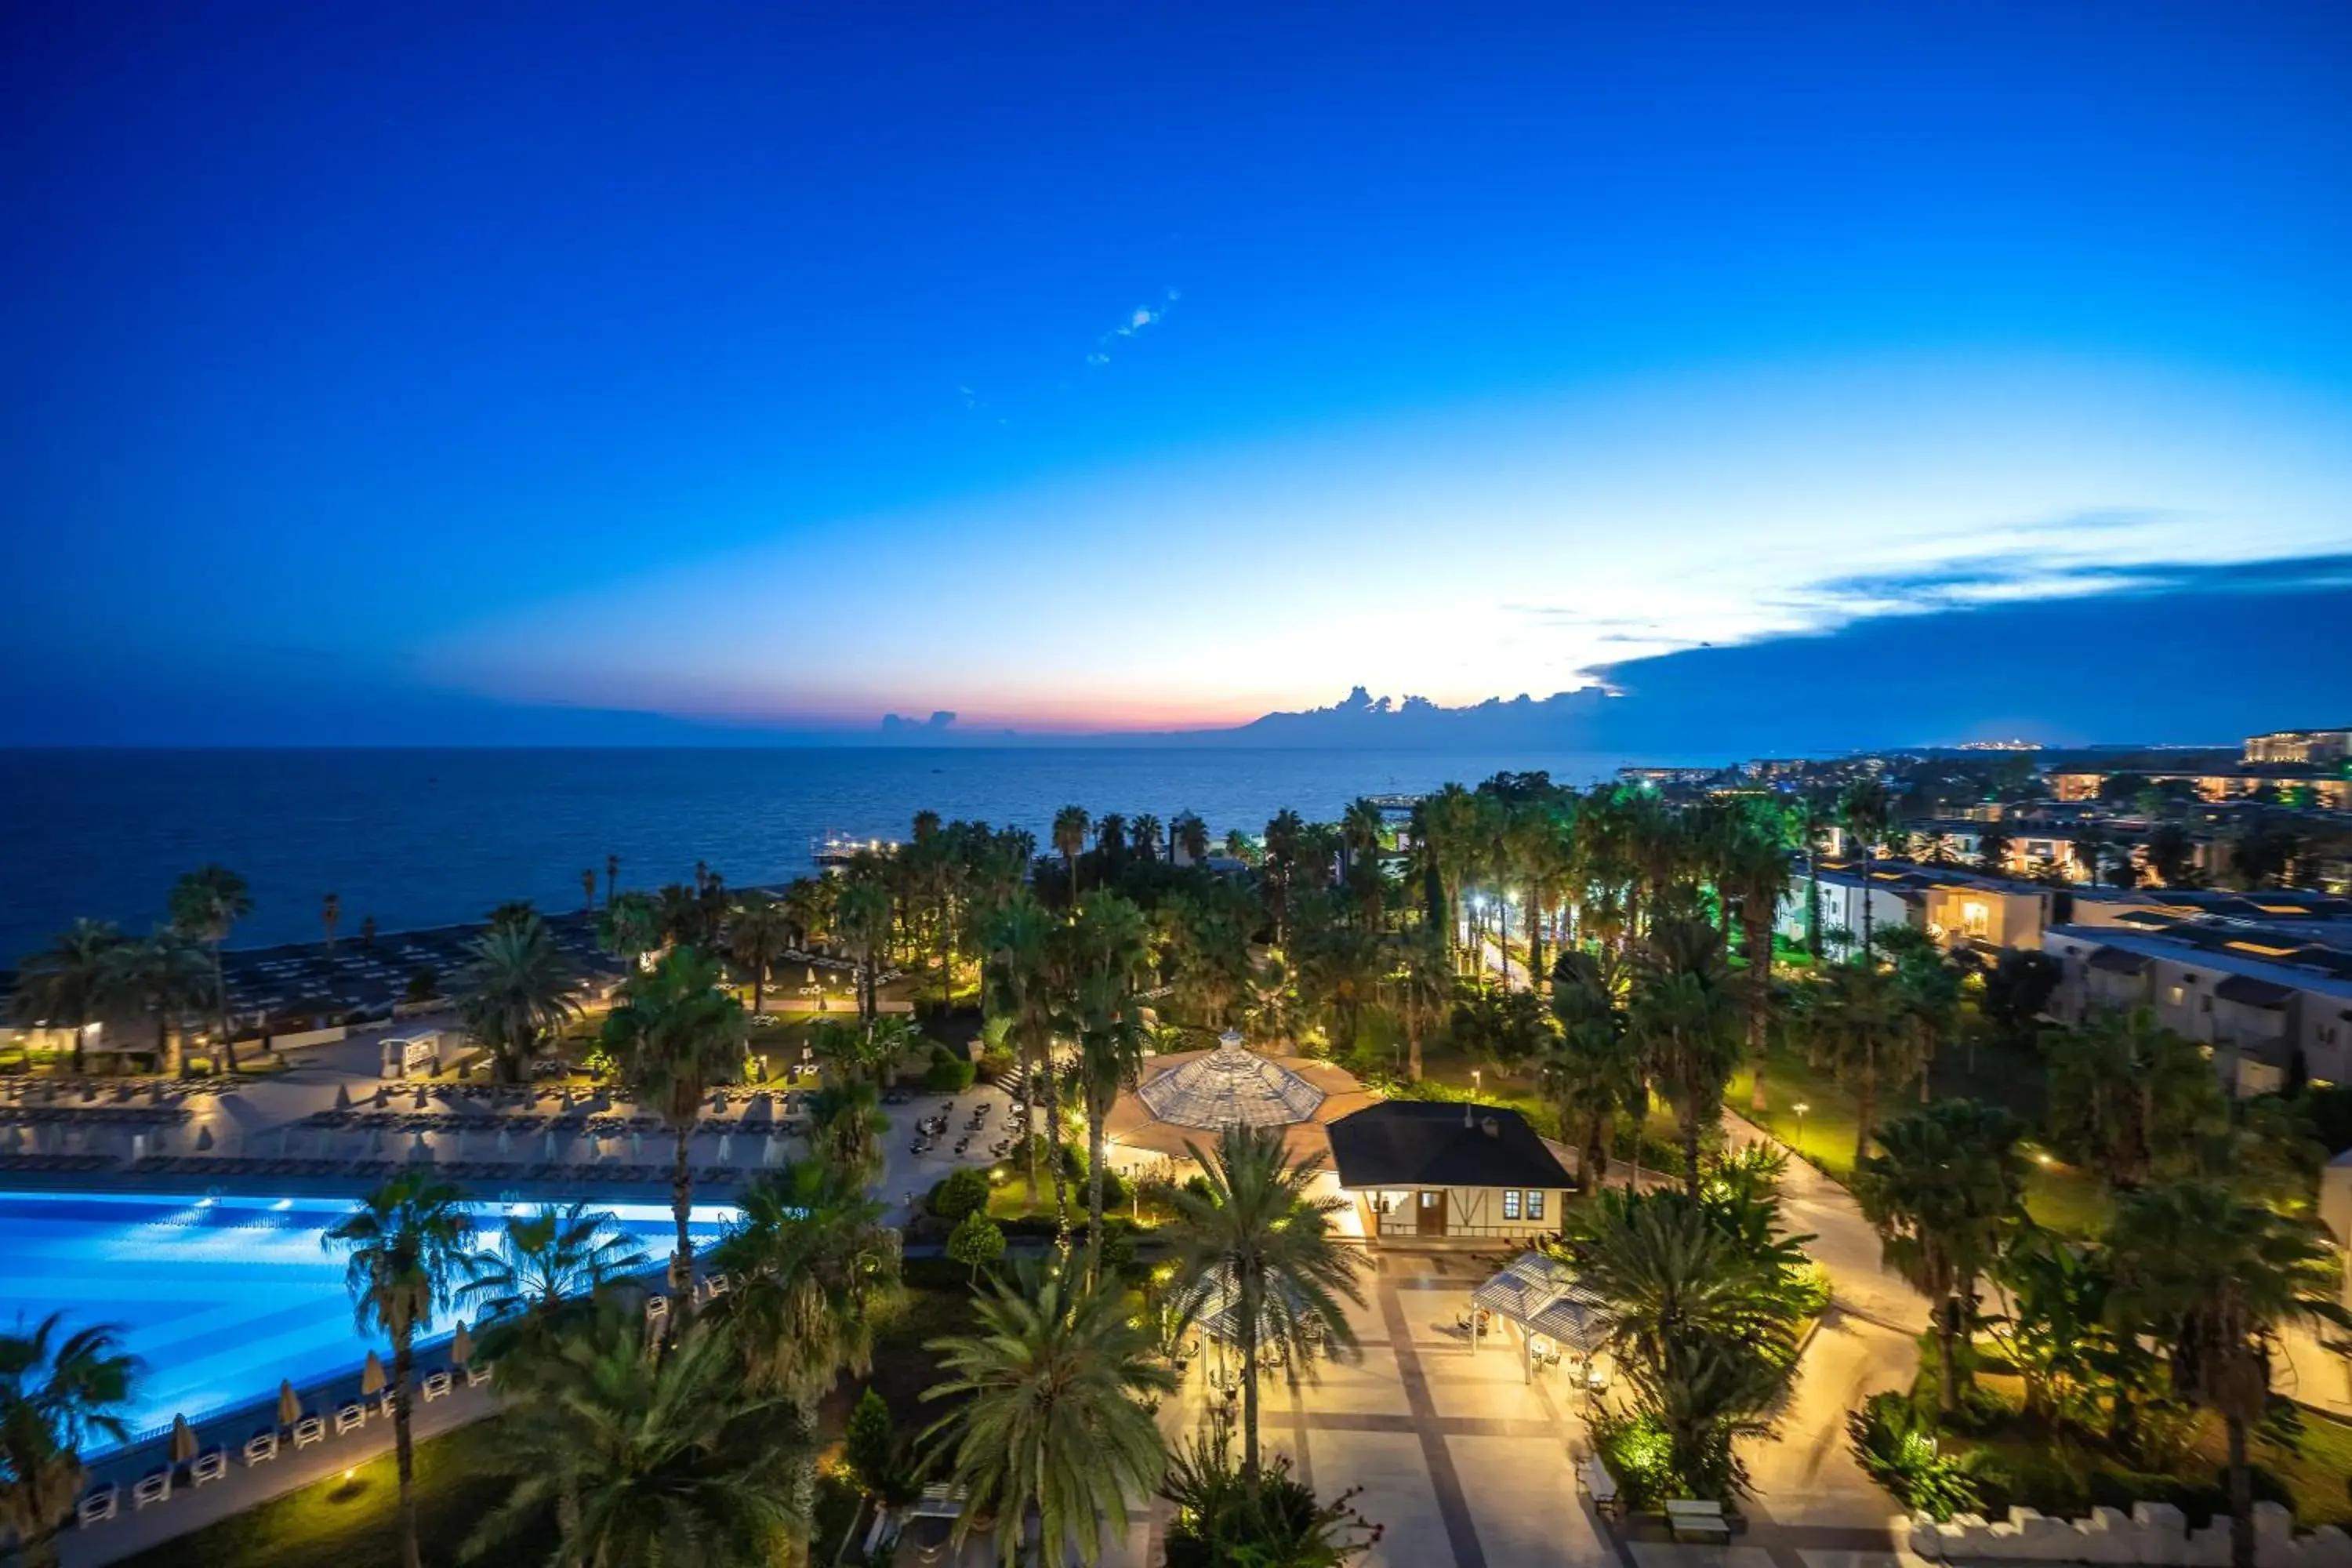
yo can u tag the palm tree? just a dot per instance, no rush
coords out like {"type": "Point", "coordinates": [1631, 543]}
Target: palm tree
{"type": "Point", "coordinates": [1755, 873]}
{"type": "Point", "coordinates": [847, 1123]}
{"type": "Point", "coordinates": [1447, 842]}
{"type": "Point", "coordinates": [516, 992]}
{"type": "Point", "coordinates": [1191, 835]}
{"type": "Point", "coordinates": [1591, 1071]}
{"type": "Point", "coordinates": [64, 985]}
{"type": "Point", "coordinates": [1052, 1418]}
{"type": "Point", "coordinates": [1020, 987]}
{"type": "Point", "coordinates": [630, 928]}
{"type": "Point", "coordinates": [331, 915]}
{"type": "Point", "coordinates": [1857, 1015]}
{"type": "Point", "coordinates": [588, 891]}
{"type": "Point", "coordinates": [1425, 991]}
{"type": "Point", "coordinates": [2130, 1096]}
{"type": "Point", "coordinates": [612, 878]}
{"type": "Point", "coordinates": [164, 976]}
{"type": "Point", "coordinates": [1684, 1022]}
{"type": "Point", "coordinates": [406, 1248]}
{"type": "Point", "coordinates": [1070, 825]}
{"type": "Point", "coordinates": [1259, 1234]}
{"type": "Point", "coordinates": [1864, 809]}
{"type": "Point", "coordinates": [1143, 837]}
{"type": "Point", "coordinates": [1105, 953]}
{"type": "Point", "coordinates": [676, 1033]}
{"type": "Point", "coordinates": [206, 904]}
{"type": "Point", "coordinates": [756, 938]}
{"type": "Point", "coordinates": [1362, 827]}
{"type": "Point", "coordinates": [1815, 814]}
{"type": "Point", "coordinates": [1946, 1192]}
{"type": "Point", "coordinates": [551, 1262]}
{"type": "Point", "coordinates": [55, 1395]}
{"type": "Point", "coordinates": [646, 1459]}
{"type": "Point", "coordinates": [807, 1264]}
{"type": "Point", "coordinates": [862, 917]}
{"type": "Point", "coordinates": [2216, 1278]}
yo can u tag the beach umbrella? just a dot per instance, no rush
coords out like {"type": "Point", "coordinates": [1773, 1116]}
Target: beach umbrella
{"type": "Point", "coordinates": [372, 1378]}
{"type": "Point", "coordinates": [726, 1148]}
{"type": "Point", "coordinates": [461, 1345]}
{"type": "Point", "coordinates": [183, 1441]}
{"type": "Point", "coordinates": [343, 1097]}
{"type": "Point", "coordinates": [420, 1099]}
{"type": "Point", "coordinates": [768, 1150]}
{"type": "Point", "coordinates": [551, 1146]}
{"type": "Point", "coordinates": [417, 1148]}
{"type": "Point", "coordinates": [382, 1095]}
{"type": "Point", "coordinates": [505, 1141]}
{"type": "Point", "coordinates": [636, 1147]}
{"type": "Point", "coordinates": [204, 1139]}
{"type": "Point", "coordinates": [285, 1140]}
{"type": "Point", "coordinates": [461, 1142]}
{"type": "Point", "coordinates": [289, 1408]}
{"type": "Point", "coordinates": [567, 1097]}
{"type": "Point", "coordinates": [16, 1139]}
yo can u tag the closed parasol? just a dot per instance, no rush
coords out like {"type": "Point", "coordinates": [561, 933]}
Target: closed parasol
{"type": "Point", "coordinates": [183, 1441]}
{"type": "Point", "coordinates": [289, 1408]}
{"type": "Point", "coordinates": [461, 1345]}
{"type": "Point", "coordinates": [372, 1378]}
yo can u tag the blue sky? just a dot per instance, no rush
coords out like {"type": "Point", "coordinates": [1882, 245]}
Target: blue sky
{"type": "Point", "coordinates": [375, 368]}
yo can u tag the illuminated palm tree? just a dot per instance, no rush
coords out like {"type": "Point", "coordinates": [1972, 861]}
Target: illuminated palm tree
{"type": "Point", "coordinates": [55, 1396]}
{"type": "Point", "coordinates": [1591, 1070]}
{"type": "Point", "coordinates": [1755, 874]}
{"type": "Point", "coordinates": [406, 1248]}
{"type": "Point", "coordinates": [756, 935]}
{"type": "Point", "coordinates": [1050, 1418]}
{"type": "Point", "coordinates": [1021, 988]}
{"type": "Point", "coordinates": [630, 927]}
{"type": "Point", "coordinates": [862, 916]}
{"type": "Point", "coordinates": [64, 985]}
{"type": "Point", "coordinates": [1865, 810]}
{"type": "Point", "coordinates": [1857, 1017]}
{"type": "Point", "coordinates": [515, 992]}
{"type": "Point", "coordinates": [551, 1262]}
{"type": "Point", "coordinates": [1260, 1233]}
{"type": "Point", "coordinates": [676, 1033]}
{"type": "Point", "coordinates": [1684, 1019]}
{"type": "Point", "coordinates": [164, 976]}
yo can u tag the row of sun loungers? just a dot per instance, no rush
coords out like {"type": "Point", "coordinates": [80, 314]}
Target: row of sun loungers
{"type": "Point", "coordinates": [104, 1501]}
{"type": "Point", "coordinates": [457, 1170]}
{"type": "Point", "coordinates": [57, 1161]}
{"type": "Point", "coordinates": [94, 1115]}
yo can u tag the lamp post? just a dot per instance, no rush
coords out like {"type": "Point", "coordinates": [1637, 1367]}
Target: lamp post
{"type": "Point", "coordinates": [1478, 1081]}
{"type": "Point", "coordinates": [1801, 1107]}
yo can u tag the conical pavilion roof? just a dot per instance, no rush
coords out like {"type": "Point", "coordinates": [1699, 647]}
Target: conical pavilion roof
{"type": "Point", "coordinates": [1231, 1085]}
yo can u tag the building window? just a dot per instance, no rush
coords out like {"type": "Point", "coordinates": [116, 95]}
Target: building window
{"type": "Point", "coordinates": [2177, 995]}
{"type": "Point", "coordinates": [1510, 1203]}
{"type": "Point", "coordinates": [1535, 1203]}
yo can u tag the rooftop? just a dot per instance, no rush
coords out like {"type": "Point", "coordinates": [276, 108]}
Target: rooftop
{"type": "Point", "coordinates": [1432, 1144]}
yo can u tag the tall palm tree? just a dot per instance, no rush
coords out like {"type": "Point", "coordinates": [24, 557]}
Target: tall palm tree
{"type": "Point", "coordinates": [1143, 837]}
{"type": "Point", "coordinates": [2131, 1096]}
{"type": "Point", "coordinates": [1684, 1021]}
{"type": "Point", "coordinates": [166, 976]}
{"type": "Point", "coordinates": [1857, 1015]}
{"type": "Point", "coordinates": [1104, 953]}
{"type": "Point", "coordinates": [1591, 1070]}
{"type": "Point", "coordinates": [1448, 844]}
{"type": "Point", "coordinates": [1260, 1234]}
{"type": "Point", "coordinates": [612, 878]}
{"type": "Point", "coordinates": [516, 992]}
{"type": "Point", "coordinates": [206, 904]}
{"type": "Point", "coordinates": [757, 934]}
{"type": "Point", "coordinates": [846, 1124]}
{"type": "Point", "coordinates": [2216, 1278]}
{"type": "Point", "coordinates": [807, 1264]}
{"type": "Point", "coordinates": [1191, 835]}
{"type": "Point", "coordinates": [1070, 825]}
{"type": "Point", "coordinates": [1361, 828]}
{"type": "Point", "coordinates": [862, 916]}
{"type": "Point", "coordinates": [56, 1394]}
{"type": "Point", "coordinates": [406, 1248]}
{"type": "Point", "coordinates": [1815, 815]}
{"type": "Point", "coordinates": [677, 1032]}
{"type": "Point", "coordinates": [1755, 875]}
{"type": "Point", "coordinates": [668, 1458]}
{"type": "Point", "coordinates": [64, 985]}
{"type": "Point", "coordinates": [331, 917]}
{"type": "Point", "coordinates": [1945, 1191]}
{"type": "Point", "coordinates": [549, 1262]}
{"type": "Point", "coordinates": [1864, 809]}
{"type": "Point", "coordinates": [1053, 1420]}
{"type": "Point", "coordinates": [1423, 983]}
{"type": "Point", "coordinates": [1020, 986]}
{"type": "Point", "coordinates": [588, 891]}
{"type": "Point", "coordinates": [630, 927]}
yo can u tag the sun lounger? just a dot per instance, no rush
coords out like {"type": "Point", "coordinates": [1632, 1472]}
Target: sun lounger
{"type": "Point", "coordinates": [656, 1308]}
{"type": "Point", "coordinates": [309, 1430]}
{"type": "Point", "coordinates": [349, 1418]}
{"type": "Point", "coordinates": [99, 1503]}
{"type": "Point", "coordinates": [210, 1466]}
{"type": "Point", "coordinates": [155, 1486]}
{"type": "Point", "coordinates": [436, 1383]}
{"type": "Point", "coordinates": [261, 1447]}
{"type": "Point", "coordinates": [478, 1374]}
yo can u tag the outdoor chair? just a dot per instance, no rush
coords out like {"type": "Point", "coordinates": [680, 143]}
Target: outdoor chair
{"type": "Point", "coordinates": [349, 1418]}
{"type": "Point", "coordinates": [98, 1505]}
{"type": "Point", "coordinates": [155, 1486]}
{"type": "Point", "coordinates": [309, 1430]}
{"type": "Point", "coordinates": [478, 1374]}
{"type": "Point", "coordinates": [210, 1466]}
{"type": "Point", "coordinates": [261, 1447]}
{"type": "Point", "coordinates": [436, 1384]}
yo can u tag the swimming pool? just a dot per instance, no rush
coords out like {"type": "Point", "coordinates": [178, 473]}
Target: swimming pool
{"type": "Point", "coordinates": [220, 1297]}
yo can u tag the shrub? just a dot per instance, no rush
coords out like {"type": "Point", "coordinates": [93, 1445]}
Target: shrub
{"type": "Point", "coordinates": [1639, 1455]}
{"type": "Point", "coordinates": [949, 1074]}
{"type": "Point", "coordinates": [977, 1242]}
{"type": "Point", "coordinates": [868, 1446]}
{"type": "Point", "coordinates": [962, 1191]}
{"type": "Point", "coordinates": [1898, 1448]}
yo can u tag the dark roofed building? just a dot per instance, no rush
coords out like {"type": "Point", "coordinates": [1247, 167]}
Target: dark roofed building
{"type": "Point", "coordinates": [1429, 1169]}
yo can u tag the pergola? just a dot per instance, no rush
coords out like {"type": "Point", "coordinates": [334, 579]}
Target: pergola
{"type": "Point", "coordinates": [1541, 1295]}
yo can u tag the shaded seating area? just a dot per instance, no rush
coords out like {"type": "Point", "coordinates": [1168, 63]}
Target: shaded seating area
{"type": "Point", "coordinates": [1555, 1315]}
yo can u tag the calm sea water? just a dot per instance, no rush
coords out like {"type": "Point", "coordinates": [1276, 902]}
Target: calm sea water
{"type": "Point", "coordinates": [422, 838]}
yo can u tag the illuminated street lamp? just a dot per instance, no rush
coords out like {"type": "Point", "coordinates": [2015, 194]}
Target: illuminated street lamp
{"type": "Point", "coordinates": [1801, 1107]}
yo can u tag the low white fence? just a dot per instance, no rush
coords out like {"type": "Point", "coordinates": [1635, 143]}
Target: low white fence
{"type": "Point", "coordinates": [2153, 1535]}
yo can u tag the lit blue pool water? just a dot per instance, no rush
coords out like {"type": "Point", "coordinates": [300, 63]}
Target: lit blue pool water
{"type": "Point", "coordinates": [220, 1297]}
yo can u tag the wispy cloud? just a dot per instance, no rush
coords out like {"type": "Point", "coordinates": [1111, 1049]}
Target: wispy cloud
{"type": "Point", "coordinates": [1145, 315]}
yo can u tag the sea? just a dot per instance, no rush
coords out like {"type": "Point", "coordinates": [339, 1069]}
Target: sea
{"type": "Point", "coordinates": [420, 838]}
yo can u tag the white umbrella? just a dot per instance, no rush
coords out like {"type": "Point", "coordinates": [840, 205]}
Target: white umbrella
{"type": "Point", "coordinates": [285, 1140]}
{"type": "Point", "coordinates": [726, 1148]}
{"type": "Point", "coordinates": [372, 1378]}
{"type": "Point", "coordinates": [461, 1142]}
{"type": "Point", "coordinates": [461, 1345]}
{"type": "Point", "coordinates": [551, 1146]}
{"type": "Point", "coordinates": [636, 1147]}
{"type": "Point", "coordinates": [505, 1141]}
{"type": "Point", "coordinates": [768, 1150]}
{"type": "Point", "coordinates": [183, 1441]}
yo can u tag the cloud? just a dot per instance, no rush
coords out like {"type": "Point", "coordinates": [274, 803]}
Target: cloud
{"type": "Point", "coordinates": [2021, 575]}
{"type": "Point", "coordinates": [1145, 315]}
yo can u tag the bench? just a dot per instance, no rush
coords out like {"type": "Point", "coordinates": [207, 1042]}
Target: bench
{"type": "Point", "coordinates": [1599, 1484]}
{"type": "Point", "coordinates": [1689, 1519]}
